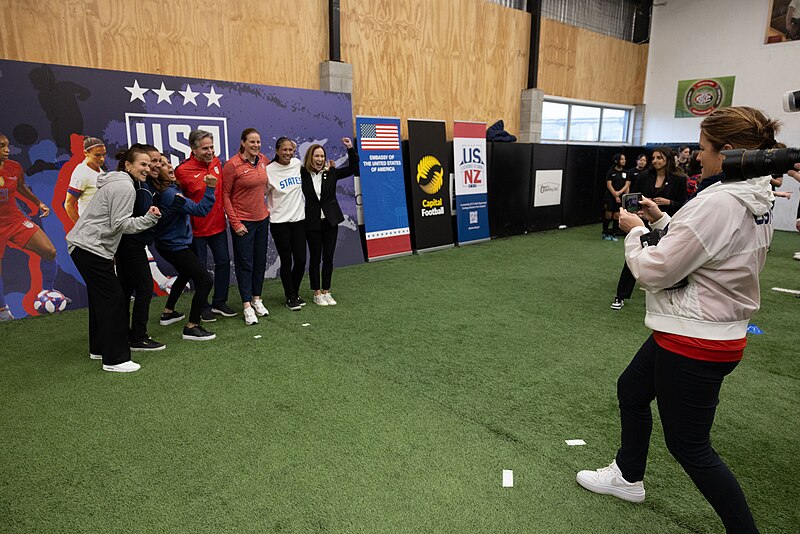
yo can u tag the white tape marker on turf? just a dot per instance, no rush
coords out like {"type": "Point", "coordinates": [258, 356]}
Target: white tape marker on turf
{"type": "Point", "coordinates": [573, 442]}
{"type": "Point", "coordinates": [306, 324]}
{"type": "Point", "coordinates": [782, 290]}
{"type": "Point", "coordinates": [256, 337]}
{"type": "Point", "coordinates": [508, 478]}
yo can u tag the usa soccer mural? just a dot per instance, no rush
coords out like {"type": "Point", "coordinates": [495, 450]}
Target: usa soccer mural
{"type": "Point", "coordinates": [62, 125]}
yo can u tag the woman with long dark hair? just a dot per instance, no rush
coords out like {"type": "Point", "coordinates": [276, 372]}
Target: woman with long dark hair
{"type": "Point", "coordinates": [92, 243]}
{"type": "Point", "coordinates": [173, 241]}
{"type": "Point", "coordinates": [287, 218]}
{"type": "Point", "coordinates": [244, 187]}
{"type": "Point", "coordinates": [323, 214]}
{"type": "Point", "coordinates": [666, 186]}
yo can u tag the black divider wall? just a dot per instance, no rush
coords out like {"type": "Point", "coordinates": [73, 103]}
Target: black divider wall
{"type": "Point", "coordinates": [546, 157]}
{"type": "Point", "coordinates": [509, 187]}
{"type": "Point", "coordinates": [581, 192]}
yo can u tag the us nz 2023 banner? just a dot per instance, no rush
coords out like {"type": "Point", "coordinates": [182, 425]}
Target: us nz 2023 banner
{"type": "Point", "coordinates": [429, 185]}
{"type": "Point", "coordinates": [469, 157]}
{"type": "Point", "coordinates": [49, 109]}
{"type": "Point", "coordinates": [382, 192]}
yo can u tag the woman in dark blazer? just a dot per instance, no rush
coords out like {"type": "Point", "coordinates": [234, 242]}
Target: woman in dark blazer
{"type": "Point", "coordinates": [323, 214]}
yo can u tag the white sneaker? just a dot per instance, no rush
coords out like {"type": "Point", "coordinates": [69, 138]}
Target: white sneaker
{"type": "Point", "coordinates": [125, 367]}
{"type": "Point", "coordinates": [250, 316]}
{"type": "Point", "coordinates": [329, 298]}
{"type": "Point", "coordinates": [796, 255]}
{"type": "Point", "coordinates": [321, 300]}
{"type": "Point", "coordinates": [609, 481]}
{"type": "Point", "coordinates": [261, 310]}
{"type": "Point", "coordinates": [95, 356]}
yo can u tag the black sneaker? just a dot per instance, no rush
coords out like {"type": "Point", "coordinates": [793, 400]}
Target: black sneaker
{"type": "Point", "coordinates": [197, 333]}
{"type": "Point", "coordinates": [146, 344]}
{"type": "Point", "coordinates": [224, 310]}
{"type": "Point", "coordinates": [207, 316]}
{"type": "Point", "coordinates": [300, 301]}
{"type": "Point", "coordinates": [617, 304]}
{"type": "Point", "coordinates": [293, 304]}
{"type": "Point", "coordinates": [171, 317]}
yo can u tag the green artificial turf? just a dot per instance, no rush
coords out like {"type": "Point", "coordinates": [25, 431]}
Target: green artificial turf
{"type": "Point", "coordinates": [395, 411]}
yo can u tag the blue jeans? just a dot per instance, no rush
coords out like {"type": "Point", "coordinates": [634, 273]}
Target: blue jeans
{"type": "Point", "coordinates": [250, 258]}
{"type": "Point", "coordinates": [218, 243]}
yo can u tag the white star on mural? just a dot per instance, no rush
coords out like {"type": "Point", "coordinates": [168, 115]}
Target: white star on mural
{"type": "Point", "coordinates": [213, 98]}
{"type": "Point", "coordinates": [163, 94]}
{"type": "Point", "coordinates": [189, 95]}
{"type": "Point", "coordinates": [137, 93]}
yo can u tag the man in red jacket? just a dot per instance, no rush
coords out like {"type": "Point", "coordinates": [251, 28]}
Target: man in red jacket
{"type": "Point", "coordinates": [209, 231]}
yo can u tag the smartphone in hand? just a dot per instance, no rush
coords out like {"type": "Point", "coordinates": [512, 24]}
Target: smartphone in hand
{"type": "Point", "coordinates": [630, 202]}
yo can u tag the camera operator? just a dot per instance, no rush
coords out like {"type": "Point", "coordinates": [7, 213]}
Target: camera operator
{"type": "Point", "coordinates": [702, 288]}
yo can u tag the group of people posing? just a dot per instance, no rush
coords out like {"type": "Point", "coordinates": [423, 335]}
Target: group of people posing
{"type": "Point", "coordinates": [186, 212]}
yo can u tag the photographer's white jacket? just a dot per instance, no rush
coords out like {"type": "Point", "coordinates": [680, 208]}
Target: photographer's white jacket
{"type": "Point", "coordinates": [719, 241]}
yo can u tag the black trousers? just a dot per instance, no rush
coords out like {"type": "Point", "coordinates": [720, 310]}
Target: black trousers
{"type": "Point", "coordinates": [108, 315]}
{"type": "Point", "coordinates": [189, 268]}
{"type": "Point", "coordinates": [250, 258]}
{"type": "Point", "coordinates": [321, 246]}
{"type": "Point", "coordinates": [687, 394]}
{"type": "Point", "coordinates": [133, 271]}
{"type": "Point", "coordinates": [218, 243]}
{"type": "Point", "coordinates": [626, 283]}
{"type": "Point", "coordinates": [290, 241]}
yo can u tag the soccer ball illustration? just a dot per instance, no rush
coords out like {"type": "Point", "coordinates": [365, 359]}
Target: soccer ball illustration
{"type": "Point", "coordinates": [50, 301]}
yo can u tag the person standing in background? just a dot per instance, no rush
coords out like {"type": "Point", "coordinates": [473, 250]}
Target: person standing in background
{"type": "Point", "coordinates": [208, 231]}
{"type": "Point", "coordinates": [323, 215]}
{"type": "Point", "coordinates": [287, 213]}
{"type": "Point", "coordinates": [617, 184]}
{"type": "Point", "coordinates": [244, 189]}
{"type": "Point", "coordinates": [92, 243]}
{"type": "Point", "coordinates": [133, 265]}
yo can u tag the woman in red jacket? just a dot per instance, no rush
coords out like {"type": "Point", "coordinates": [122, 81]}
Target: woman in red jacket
{"type": "Point", "coordinates": [244, 186]}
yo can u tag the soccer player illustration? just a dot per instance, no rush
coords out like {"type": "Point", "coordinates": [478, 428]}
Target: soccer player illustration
{"type": "Point", "coordinates": [83, 182]}
{"type": "Point", "coordinates": [19, 231]}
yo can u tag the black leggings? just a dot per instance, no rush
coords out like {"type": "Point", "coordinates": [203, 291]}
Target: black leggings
{"type": "Point", "coordinates": [321, 246]}
{"type": "Point", "coordinates": [189, 268]}
{"type": "Point", "coordinates": [290, 240]}
{"type": "Point", "coordinates": [686, 393]}
{"type": "Point", "coordinates": [626, 283]}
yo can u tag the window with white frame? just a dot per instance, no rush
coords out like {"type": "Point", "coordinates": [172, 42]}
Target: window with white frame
{"type": "Point", "coordinates": [585, 122]}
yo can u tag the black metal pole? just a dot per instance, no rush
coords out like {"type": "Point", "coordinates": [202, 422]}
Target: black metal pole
{"type": "Point", "coordinates": [535, 9]}
{"type": "Point", "coordinates": [334, 41]}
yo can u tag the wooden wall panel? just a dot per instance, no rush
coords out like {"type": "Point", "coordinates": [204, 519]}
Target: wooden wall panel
{"type": "Point", "coordinates": [577, 63]}
{"type": "Point", "coordinates": [265, 41]}
{"type": "Point", "coordinates": [436, 59]}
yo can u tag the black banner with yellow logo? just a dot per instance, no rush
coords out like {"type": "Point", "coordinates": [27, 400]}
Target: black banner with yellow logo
{"type": "Point", "coordinates": [428, 178]}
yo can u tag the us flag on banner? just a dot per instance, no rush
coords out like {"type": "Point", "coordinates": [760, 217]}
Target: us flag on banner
{"type": "Point", "coordinates": [379, 137]}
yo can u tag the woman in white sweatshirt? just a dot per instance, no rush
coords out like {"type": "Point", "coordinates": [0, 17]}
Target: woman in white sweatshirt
{"type": "Point", "coordinates": [702, 288]}
{"type": "Point", "coordinates": [287, 208]}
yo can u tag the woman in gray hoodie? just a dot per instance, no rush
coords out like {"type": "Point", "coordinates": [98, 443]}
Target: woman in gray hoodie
{"type": "Point", "coordinates": [92, 243]}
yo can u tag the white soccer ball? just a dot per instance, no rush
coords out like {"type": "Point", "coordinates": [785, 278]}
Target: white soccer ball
{"type": "Point", "coordinates": [50, 301]}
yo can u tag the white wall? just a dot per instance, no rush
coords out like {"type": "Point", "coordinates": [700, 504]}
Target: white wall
{"type": "Point", "coordinates": [695, 39]}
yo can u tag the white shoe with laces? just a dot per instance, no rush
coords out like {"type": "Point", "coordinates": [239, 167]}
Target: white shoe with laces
{"type": "Point", "coordinates": [609, 481]}
{"type": "Point", "coordinates": [329, 298]}
{"type": "Point", "coordinates": [320, 300]}
{"type": "Point", "coordinates": [261, 310]}
{"type": "Point", "coordinates": [124, 367]}
{"type": "Point", "coordinates": [250, 316]}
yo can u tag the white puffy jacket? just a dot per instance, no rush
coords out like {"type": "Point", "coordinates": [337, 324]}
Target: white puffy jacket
{"type": "Point", "coordinates": [719, 241]}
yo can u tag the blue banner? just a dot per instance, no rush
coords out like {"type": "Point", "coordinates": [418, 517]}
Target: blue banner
{"type": "Point", "coordinates": [469, 157]}
{"type": "Point", "coordinates": [49, 109]}
{"type": "Point", "coordinates": [382, 189]}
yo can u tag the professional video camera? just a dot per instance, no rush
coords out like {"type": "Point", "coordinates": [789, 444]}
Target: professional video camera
{"type": "Point", "coordinates": [744, 164]}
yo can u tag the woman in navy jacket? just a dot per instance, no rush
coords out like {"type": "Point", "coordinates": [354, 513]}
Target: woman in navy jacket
{"type": "Point", "coordinates": [323, 214]}
{"type": "Point", "coordinates": [173, 238]}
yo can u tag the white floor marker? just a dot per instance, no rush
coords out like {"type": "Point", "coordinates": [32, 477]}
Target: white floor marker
{"type": "Point", "coordinates": [508, 478]}
{"type": "Point", "coordinates": [573, 442]}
